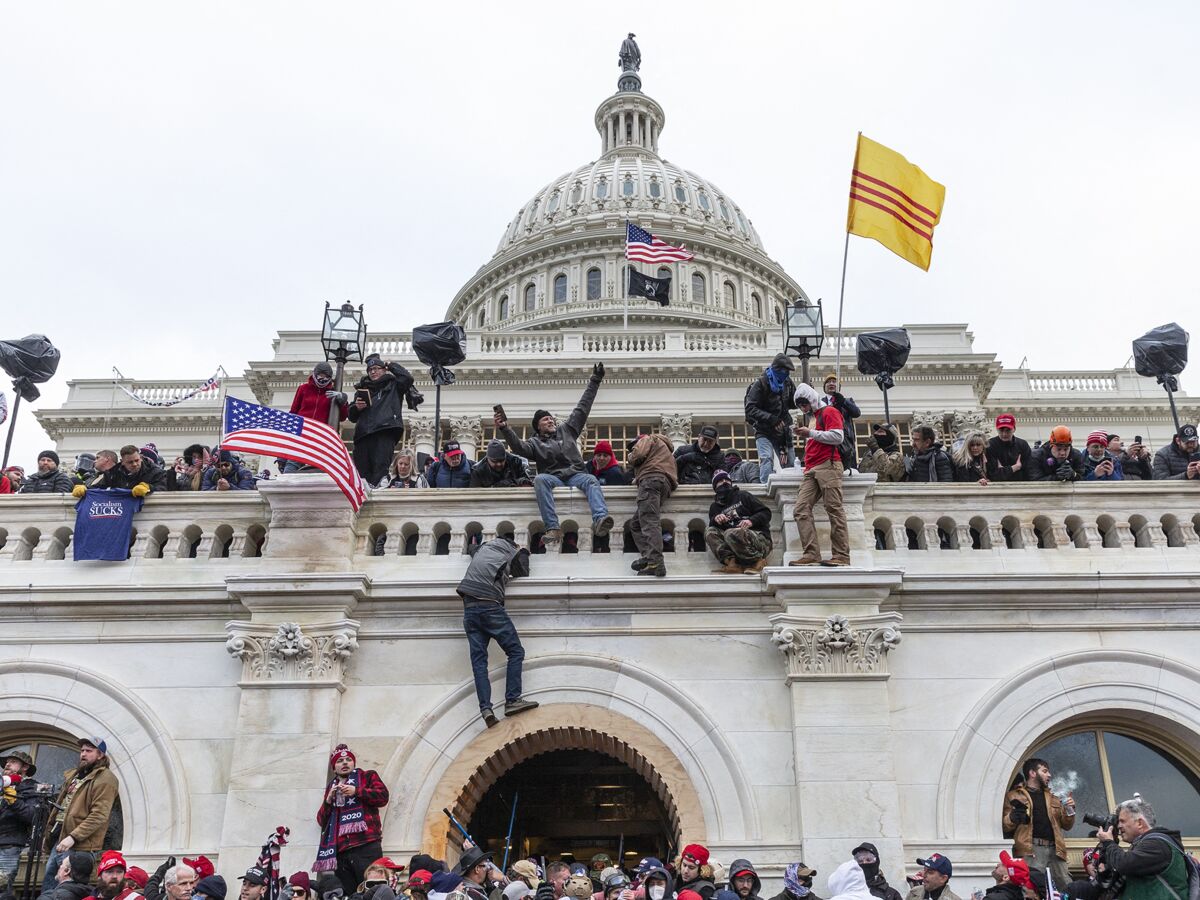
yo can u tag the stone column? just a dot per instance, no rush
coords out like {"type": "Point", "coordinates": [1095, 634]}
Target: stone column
{"type": "Point", "coordinates": [469, 434]}
{"type": "Point", "coordinates": [678, 427]}
{"type": "Point", "coordinates": [420, 431]}
{"type": "Point", "coordinates": [835, 645]}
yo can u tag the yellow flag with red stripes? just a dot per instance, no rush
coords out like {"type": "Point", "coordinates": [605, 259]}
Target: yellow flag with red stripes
{"type": "Point", "coordinates": [894, 202]}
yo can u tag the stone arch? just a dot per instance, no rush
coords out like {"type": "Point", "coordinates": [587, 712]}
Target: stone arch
{"type": "Point", "coordinates": [1162, 692]}
{"type": "Point", "coordinates": [81, 702]}
{"type": "Point", "coordinates": [607, 698]}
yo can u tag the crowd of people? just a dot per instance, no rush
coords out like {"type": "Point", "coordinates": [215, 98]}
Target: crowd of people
{"type": "Point", "coordinates": [738, 532]}
{"type": "Point", "coordinates": [350, 862]}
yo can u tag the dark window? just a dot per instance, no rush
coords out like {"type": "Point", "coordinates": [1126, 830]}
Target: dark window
{"type": "Point", "coordinates": [627, 187]}
{"type": "Point", "coordinates": [560, 288]}
{"type": "Point", "coordinates": [699, 295]}
{"type": "Point", "coordinates": [601, 189]}
{"type": "Point", "coordinates": [593, 284]}
{"type": "Point", "coordinates": [757, 303]}
{"type": "Point", "coordinates": [504, 307]}
{"type": "Point", "coordinates": [530, 298]}
{"type": "Point", "coordinates": [680, 192]}
{"type": "Point", "coordinates": [655, 188]}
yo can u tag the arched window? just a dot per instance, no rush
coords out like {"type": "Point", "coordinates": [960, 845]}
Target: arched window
{"type": "Point", "coordinates": [552, 206]}
{"type": "Point", "coordinates": [741, 220]}
{"type": "Point", "coordinates": [576, 194]}
{"type": "Point", "coordinates": [724, 211]}
{"type": "Point", "coordinates": [655, 188]}
{"type": "Point", "coordinates": [705, 204]}
{"type": "Point", "coordinates": [756, 302]}
{"type": "Point", "coordinates": [560, 288]}
{"type": "Point", "coordinates": [699, 295]}
{"type": "Point", "coordinates": [1102, 766]}
{"type": "Point", "coordinates": [483, 315]}
{"type": "Point", "coordinates": [601, 188]}
{"type": "Point", "coordinates": [593, 284]}
{"type": "Point", "coordinates": [729, 295]}
{"type": "Point", "coordinates": [680, 192]}
{"type": "Point", "coordinates": [503, 307]}
{"type": "Point", "coordinates": [533, 210]}
{"type": "Point", "coordinates": [627, 186]}
{"type": "Point", "coordinates": [530, 298]}
{"type": "Point", "coordinates": [663, 272]}
{"type": "Point", "coordinates": [778, 316]}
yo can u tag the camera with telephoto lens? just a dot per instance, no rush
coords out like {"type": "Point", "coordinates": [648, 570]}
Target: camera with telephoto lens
{"type": "Point", "coordinates": [1105, 822]}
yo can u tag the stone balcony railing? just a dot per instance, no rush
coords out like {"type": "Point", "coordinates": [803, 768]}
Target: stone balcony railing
{"type": "Point", "coordinates": [1133, 524]}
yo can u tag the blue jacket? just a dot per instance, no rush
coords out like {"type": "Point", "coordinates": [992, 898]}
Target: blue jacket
{"type": "Point", "coordinates": [1089, 466]}
{"type": "Point", "coordinates": [441, 475]}
{"type": "Point", "coordinates": [240, 479]}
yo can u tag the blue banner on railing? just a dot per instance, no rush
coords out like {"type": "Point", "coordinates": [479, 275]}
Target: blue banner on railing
{"type": "Point", "coordinates": [104, 523]}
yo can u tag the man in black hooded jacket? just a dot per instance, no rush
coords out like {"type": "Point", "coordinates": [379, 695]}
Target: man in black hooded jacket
{"type": "Point", "coordinates": [699, 460]}
{"type": "Point", "coordinates": [744, 880]}
{"type": "Point", "coordinates": [377, 411]}
{"type": "Point", "coordinates": [768, 401]}
{"type": "Point", "coordinates": [867, 857]}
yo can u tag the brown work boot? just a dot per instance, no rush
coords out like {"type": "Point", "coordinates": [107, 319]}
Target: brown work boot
{"type": "Point", "coordinates": [758, 566]}
{"type": "Point", "coordinates": [806, 561]}
{"type": "Point", "coordinates": [730, 567]}
{"type": "Point", "coordinates": [836, 561]}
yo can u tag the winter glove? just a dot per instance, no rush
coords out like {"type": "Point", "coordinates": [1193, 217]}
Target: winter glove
{"type": "Point", "coordinates": [598, 371]}
{"type": "Point", "coordinates": [140, 490]}
{"type": "Point", "coordinates": [78, 491]}
{"type": "Point", "coordinates": [1019, 814]}
{"type": "Point", "coordinates": [337, 397]}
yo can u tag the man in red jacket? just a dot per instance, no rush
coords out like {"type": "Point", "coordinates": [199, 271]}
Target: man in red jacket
{"type": "Point", "coordinates": [822, 480]}
{"type": "Point", "coordinates": [313, 400]}
{"type": "Point", "coordinates": [351, 834]}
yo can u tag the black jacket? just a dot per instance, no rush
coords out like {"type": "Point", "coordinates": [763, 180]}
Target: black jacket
{"type": "Point", "coordinates": [1144, 857]}
{"type": "Point", "coordinates": [1044, 467]}
{"type": "Point", "coordinates": [388, 394]}
{"type": "Point", "coordinates": [614, 475]}
{"type": "Point", "coordinates": [1136, 469]}
{"type": "Point", "coordinates": [929, 465]}
{"type": "Point", "coordinates": [697, 467]}
{"type": "Point", "coordinates": [701, 885]}
{"type": "Point", "coordinates": [512, 475]}
{"type": "Point", "coordinates": [54, 482]}
{"type": "Point", "coordinates": [1002, 454]}
{"type": "Point", "coordinates": [16, 817]}
{"type": "Point", "coordinates": [765, 409]}
{"type": "Point", "coordinates": [68, 890]}
{"type": "Point", "coordinates": [740, 506]}
{"type": "Point", "coordinates": [1171, 461]}
{"type": "Point", "coordinates": [971, 471]}
{"type": "Point", "coordinates": [117, 477]}
{"type": "Point", "coordinates": [879, 887]}
{"type": "Point", "coordinates": [738, 865]}
{"type": "Point", "coordinates": [1004, 891]}
{"type": "Point", "coordinates": [848, 450]}
{"type": "Point", "coordinates": [785, 894]}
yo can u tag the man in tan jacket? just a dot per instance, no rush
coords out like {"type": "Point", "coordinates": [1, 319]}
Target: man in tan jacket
{"type": "Point", "coordinates": [652, 458]}
{"type": "Point", "coordinates": [1035, 819]}
{"type": "Point", "coordinates": [83, 807]}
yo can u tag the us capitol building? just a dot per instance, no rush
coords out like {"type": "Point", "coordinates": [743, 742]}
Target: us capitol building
{"type": "Point", "coordinates": [777, 717]}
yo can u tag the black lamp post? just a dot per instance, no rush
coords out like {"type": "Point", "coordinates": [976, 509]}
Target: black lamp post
{"type": "Point", "coordinates": [803, 333]}
{"type": "Point", "coordinates": [344, 337]}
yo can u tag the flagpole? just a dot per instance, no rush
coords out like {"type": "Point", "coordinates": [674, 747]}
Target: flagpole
{"type": "Point", "coordinates": [837, 368]}
{"type": "Point", "coordinates": [625, 286]}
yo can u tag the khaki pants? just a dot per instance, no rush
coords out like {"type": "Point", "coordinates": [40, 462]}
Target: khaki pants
{"type": "Point", "coordinates": [824, 483]}
{"type": "Point", "coordinates": [1044, 857]}
{"type": "Point", "coordinates": [646, 526]}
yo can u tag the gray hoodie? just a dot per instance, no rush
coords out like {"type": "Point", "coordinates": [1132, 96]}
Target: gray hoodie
{"type": "Point", "coordinates": [744, 865]}
{"type": "Point", "coordinates": [492, 565]}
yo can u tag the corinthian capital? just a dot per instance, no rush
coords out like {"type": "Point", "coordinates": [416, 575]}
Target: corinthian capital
{"type": "Point", "coordinates": [837, 648]}
{"type": "Point", "coordinates": [290, 654]}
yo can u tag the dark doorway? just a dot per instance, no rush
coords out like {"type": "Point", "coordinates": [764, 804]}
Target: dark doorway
{"type": "Point", "coordinates": [572, 804]}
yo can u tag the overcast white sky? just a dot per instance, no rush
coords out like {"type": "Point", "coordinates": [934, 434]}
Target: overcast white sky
{"type": "Point", "coordinates": [179, 181]}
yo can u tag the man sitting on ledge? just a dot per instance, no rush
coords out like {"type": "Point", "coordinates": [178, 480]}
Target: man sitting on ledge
{"type": "Point", "coordinates": [555, 449]}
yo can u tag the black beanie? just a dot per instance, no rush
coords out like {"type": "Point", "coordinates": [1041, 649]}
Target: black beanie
{"type": "Point", "coordinates": [49, 454]}
{"type": "Point", "coordinates": [538, 415]}
{"type": "Point", "coordinates": [81, 866]}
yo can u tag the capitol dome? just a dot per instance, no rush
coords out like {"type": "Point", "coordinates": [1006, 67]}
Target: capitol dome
{"type": "Point", "coordinates": [560, 261]}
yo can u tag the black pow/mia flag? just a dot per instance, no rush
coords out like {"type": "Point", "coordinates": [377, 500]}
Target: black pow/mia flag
{"type": "Point", "coordinates": [653, 288]}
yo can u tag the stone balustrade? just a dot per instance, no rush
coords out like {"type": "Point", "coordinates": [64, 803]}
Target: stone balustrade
{"type": "Point", "coordinates": [890, 524]}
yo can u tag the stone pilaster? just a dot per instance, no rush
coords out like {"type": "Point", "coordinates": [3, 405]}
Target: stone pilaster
{"type": "Point", "coordinates": [468, 432]}
{"type": "Point", "coordinates": [678, 427]}
{"type": "Point", "coordinates": [420, 434]}
{"type": "Point", "coordinates": [834, 643]}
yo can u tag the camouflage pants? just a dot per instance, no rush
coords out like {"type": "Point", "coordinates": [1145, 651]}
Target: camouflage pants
{"type": "Point", "coordinates": [746, 544]}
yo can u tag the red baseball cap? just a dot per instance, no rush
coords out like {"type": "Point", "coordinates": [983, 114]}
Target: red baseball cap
{"type": "Point", "coordinates": [388, 863]}
{"type": "Point", "coordinates": [111, 859]}
{"type": "Point", "coordinates": [1018, 870]}
{"type": "Point", "coordinates": [137, 876]}
{"type": "Point", "coordinates": [420, 876]}
{"type": "Point", "coordinates": [1006, 420]}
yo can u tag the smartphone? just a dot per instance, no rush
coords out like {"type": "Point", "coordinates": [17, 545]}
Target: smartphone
{"type": "Point", "coordinates": [1137, 438]}
{"type": "Point", "coordinates": [498, 409]}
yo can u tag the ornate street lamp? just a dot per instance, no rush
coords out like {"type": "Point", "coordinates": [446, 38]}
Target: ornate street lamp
{"type": "Point", "coordinates": [344, 337]}
{"type": "Point", "coordinates": [803, 333]}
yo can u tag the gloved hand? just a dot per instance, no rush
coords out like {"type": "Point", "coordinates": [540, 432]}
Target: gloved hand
{"type": "Point", "coordinates": [78, 491]}
{"type": "Point", "coordinates": [337, 397]}
{"type": "Point", "coordinates": [161, 871]}
{"type": "Point", "coordinates": [415, 398]}
{"type": "Point", "coordinates": [598, 371]}
{"type": "Point", "coordinates": [140, 490]}
{"type": "Point", "coordinates": [1020, 812]}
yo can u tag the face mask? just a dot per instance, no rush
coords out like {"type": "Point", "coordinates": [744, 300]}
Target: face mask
{"type": "Point", "coordinates": [656, 892]}
{"type": "Point", "coordinates": [884, 440]}
{"type": "Point", "coordinates": [724, 491]}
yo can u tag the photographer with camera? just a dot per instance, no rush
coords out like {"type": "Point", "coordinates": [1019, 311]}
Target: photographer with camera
{"type": "Point", "coordinates": [83, 808]}
{"type": "Point", "coordinates": [18, 806]}
{"type": "Point", "coordinates": [1035, 819]}
{"type": "Point", "coordinates": [377, 411]}
{"type": "Point", "coordinates": [1155, 866]}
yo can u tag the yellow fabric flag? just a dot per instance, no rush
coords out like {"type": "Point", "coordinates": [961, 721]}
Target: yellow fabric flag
{"type": "Point", "coordinates": [894, 202]}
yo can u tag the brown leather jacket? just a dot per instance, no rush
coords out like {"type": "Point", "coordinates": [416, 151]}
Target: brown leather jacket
{"type": "Point", "coordinates": [1022, 835]}
{"type": "Point", "coordinates": [654, 455]}
{"type": "Point", "coordinates": [87, 816]}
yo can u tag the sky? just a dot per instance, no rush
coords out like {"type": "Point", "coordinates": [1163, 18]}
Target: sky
{"type": "Point", "coordinates": [179, 181]}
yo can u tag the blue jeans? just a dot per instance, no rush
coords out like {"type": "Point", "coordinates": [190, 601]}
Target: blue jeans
{"type": "Point", "coordinates": [765, 448]}
{"type": "Point", "coordinates": [491, 623]}
{"type": "Point", "coordinates": [10, 860]}
{"type": "Point", "coordinates": [544, 485]}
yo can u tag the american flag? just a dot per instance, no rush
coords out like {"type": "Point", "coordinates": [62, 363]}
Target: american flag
{"type": "Point", "coordinates": [282, 435]}
{"type": "Point", "coordinates": [645, 247]}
